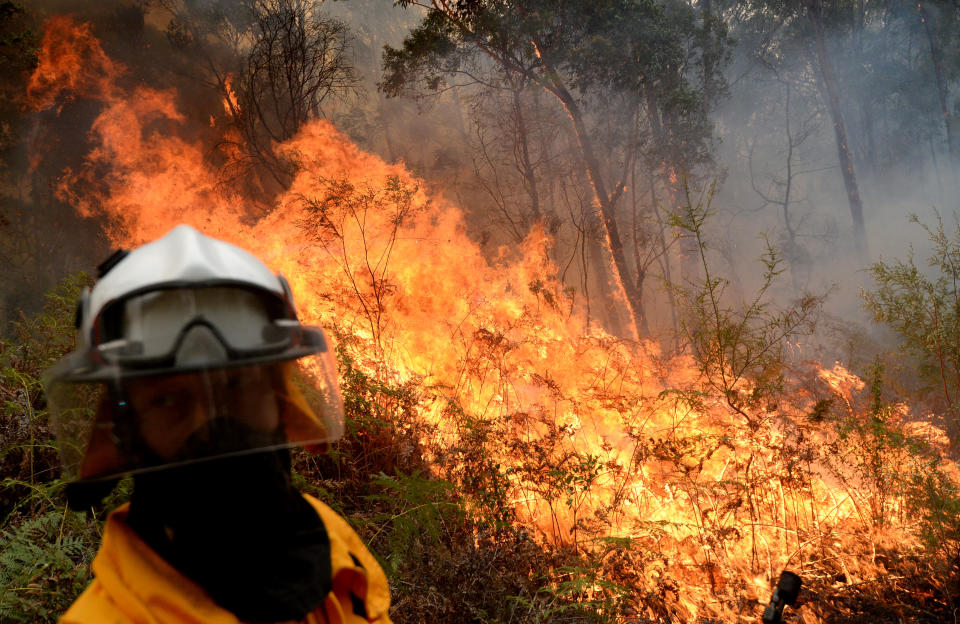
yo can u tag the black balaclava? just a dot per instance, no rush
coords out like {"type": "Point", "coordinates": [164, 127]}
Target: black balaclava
{"type": "Point", "coordinates": [237, 527]}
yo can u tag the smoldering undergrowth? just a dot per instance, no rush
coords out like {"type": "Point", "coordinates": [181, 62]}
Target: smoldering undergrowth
{"type": "Point", "coordinates": [508, 515]}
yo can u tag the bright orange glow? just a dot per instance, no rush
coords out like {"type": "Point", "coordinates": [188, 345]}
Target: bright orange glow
{"type": "Point", "coordinates": [595, 439]}
{"type": "Point", "coordinates": [71, 62]}
{"type": "Point", "coordinates": [230, 103]}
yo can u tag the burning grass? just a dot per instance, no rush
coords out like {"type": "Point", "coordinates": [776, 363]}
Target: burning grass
{"type": "Point", "coordinates": [508, 461]}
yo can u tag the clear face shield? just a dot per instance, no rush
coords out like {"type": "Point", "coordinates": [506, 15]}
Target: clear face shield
{"type": "Point", "coordinates": [189, 374]}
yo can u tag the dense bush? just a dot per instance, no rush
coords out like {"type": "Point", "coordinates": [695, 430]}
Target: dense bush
{"type": "Point", "coordinates": [45, 550]}
{"type": "Point", "coordinates": [763, 452]}
{"type": "Point", "coordinates": [452, 556]}
{"type": "Point", "coordinates": [922, 305]}
{"type": "Point", "coordinates": [44, 565]}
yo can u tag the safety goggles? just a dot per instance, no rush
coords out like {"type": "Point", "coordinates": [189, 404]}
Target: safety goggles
{"type": "Point", "coordinates": [149, 330]}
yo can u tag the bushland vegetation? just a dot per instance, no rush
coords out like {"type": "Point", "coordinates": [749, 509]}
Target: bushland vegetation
{"type": "Point", "coordinates": [834, 477]}
{"type": "Point", "coordinates": [719, 454]}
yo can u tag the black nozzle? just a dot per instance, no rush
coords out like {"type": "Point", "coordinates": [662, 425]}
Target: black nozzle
{"type": "Point", "coordinates": [786, 593]}
{"type": "Point", "coordinates": [788, 587]}
{"type": "Point", "coordinates": [82, 495]}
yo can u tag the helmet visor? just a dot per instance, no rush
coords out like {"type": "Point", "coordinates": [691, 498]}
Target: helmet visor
{"type": "Point", "coordinates": [148, 329]}
{"type": "Point", "coordinates": [112, 422]}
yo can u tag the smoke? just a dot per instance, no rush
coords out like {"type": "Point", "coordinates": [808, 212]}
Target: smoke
{"type": "Point", "coordinates": [454, 285]}
{"type": "Point", "coordinates": [460, 143]}
{"type": "Point", "coordinates": [191, 50]}
{"type": "Point", "coordinates": [777, 112]}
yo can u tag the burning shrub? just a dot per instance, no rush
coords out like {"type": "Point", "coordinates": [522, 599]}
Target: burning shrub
{"type": "Point", "coordinates": [904, 492]}
{"type": "Point", "coordinates": [526, 465]}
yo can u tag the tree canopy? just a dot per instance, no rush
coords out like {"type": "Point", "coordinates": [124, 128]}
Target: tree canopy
{"type": "Point", "coordinates": [637, 62]}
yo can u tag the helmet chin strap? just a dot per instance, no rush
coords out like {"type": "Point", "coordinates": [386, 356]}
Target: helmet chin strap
{"type": "Point", "coordinates": [82, 495]}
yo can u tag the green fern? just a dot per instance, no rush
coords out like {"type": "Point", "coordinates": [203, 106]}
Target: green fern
{"type": "Point", "coordinates": [414, 511]}
{"type": "Point", "coordinates": [44, 566]}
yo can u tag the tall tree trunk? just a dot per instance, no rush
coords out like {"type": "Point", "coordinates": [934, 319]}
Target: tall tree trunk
{"type": "Point", "coordinates": [637, 259]}
{"type": "Point", "coordinates": [936, 55]}
{"type": "Point", "coordinates": [868, 160]}
{"type": "Point", "coordinates": [607, 204]}
{"type": "Point", "coordinates": [549, 81]}
{"type": "Point", "coordinates": [832, 95]}
{"type": "Point", "coordinates": [707, 59]}
{"type": "Point", "coordinates": [675, 178]}
{"type": "Point", "coordinates": [385, 125]}
{"type": "Point", "coordinates": [606, 201]}
{"type": "Point", "coordinates": [793, 252]}
{"type": "Point", "coordinates": [612, 315]}
{"type": "Point", "coordinates": [664, 256]}
{"type": "Point", "coordinates": [526, 165]}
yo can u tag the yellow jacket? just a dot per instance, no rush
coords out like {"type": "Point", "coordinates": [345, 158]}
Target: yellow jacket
{"type": "Point", "coordinates": [134, 585]}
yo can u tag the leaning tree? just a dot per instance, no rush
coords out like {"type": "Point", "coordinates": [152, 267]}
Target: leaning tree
{"type": "Point", "coordinates": [629, 60]}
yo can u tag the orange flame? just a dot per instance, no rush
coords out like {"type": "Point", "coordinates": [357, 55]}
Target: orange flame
{"type": "Point", "coordinates": [72, 61]}
{"type": "Point", "coordinates": [366, 248]}
{"type": "Point", "coordinates": [231, 105]}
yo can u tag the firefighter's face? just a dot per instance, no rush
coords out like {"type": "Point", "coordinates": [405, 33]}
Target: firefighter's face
{"type": "Point", "coordinates": [170, 409]}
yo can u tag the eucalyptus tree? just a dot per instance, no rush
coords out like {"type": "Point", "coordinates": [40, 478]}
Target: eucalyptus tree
{"type": "Point", "coordinates": [818, 15]}
{"type": "Point", "coordinates": [299, 61]}
{"type": "Point", "coordinates": [274, 63]}
{"type": "Point", "coordinates": [634, 62]}
{"type": "Point", "coordinates": [806, 27]}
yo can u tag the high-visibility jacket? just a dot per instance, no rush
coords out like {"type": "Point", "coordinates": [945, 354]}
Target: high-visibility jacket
{"type": "Point", "coordinates": [135, 585]}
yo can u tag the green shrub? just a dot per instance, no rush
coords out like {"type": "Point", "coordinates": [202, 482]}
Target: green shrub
{"type": "Point", "coordinates": [28, 457]}
{"type": "Point", "coordinates": [924, 310]}
{"type": "Point", "coordinates": [45, 550]}
{"type": "Point", "coordinates": [738, 347]}
{"type": "Point", "coordinates": [412, 512]}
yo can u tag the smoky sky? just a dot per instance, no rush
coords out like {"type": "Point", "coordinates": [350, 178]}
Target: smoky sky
{"type": "Point", "coordinates": [772, 116]}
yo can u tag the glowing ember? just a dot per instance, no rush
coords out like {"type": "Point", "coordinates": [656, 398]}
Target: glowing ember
{"type": "Point", "coordinates": [595, 441]}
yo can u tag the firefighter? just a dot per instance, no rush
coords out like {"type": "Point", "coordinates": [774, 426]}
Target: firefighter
{"type": "Point", "coordinates": [193, 374]}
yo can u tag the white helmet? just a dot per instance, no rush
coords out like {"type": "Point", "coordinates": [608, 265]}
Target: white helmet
{"type": "Point", "coordinates": [187, 350]}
